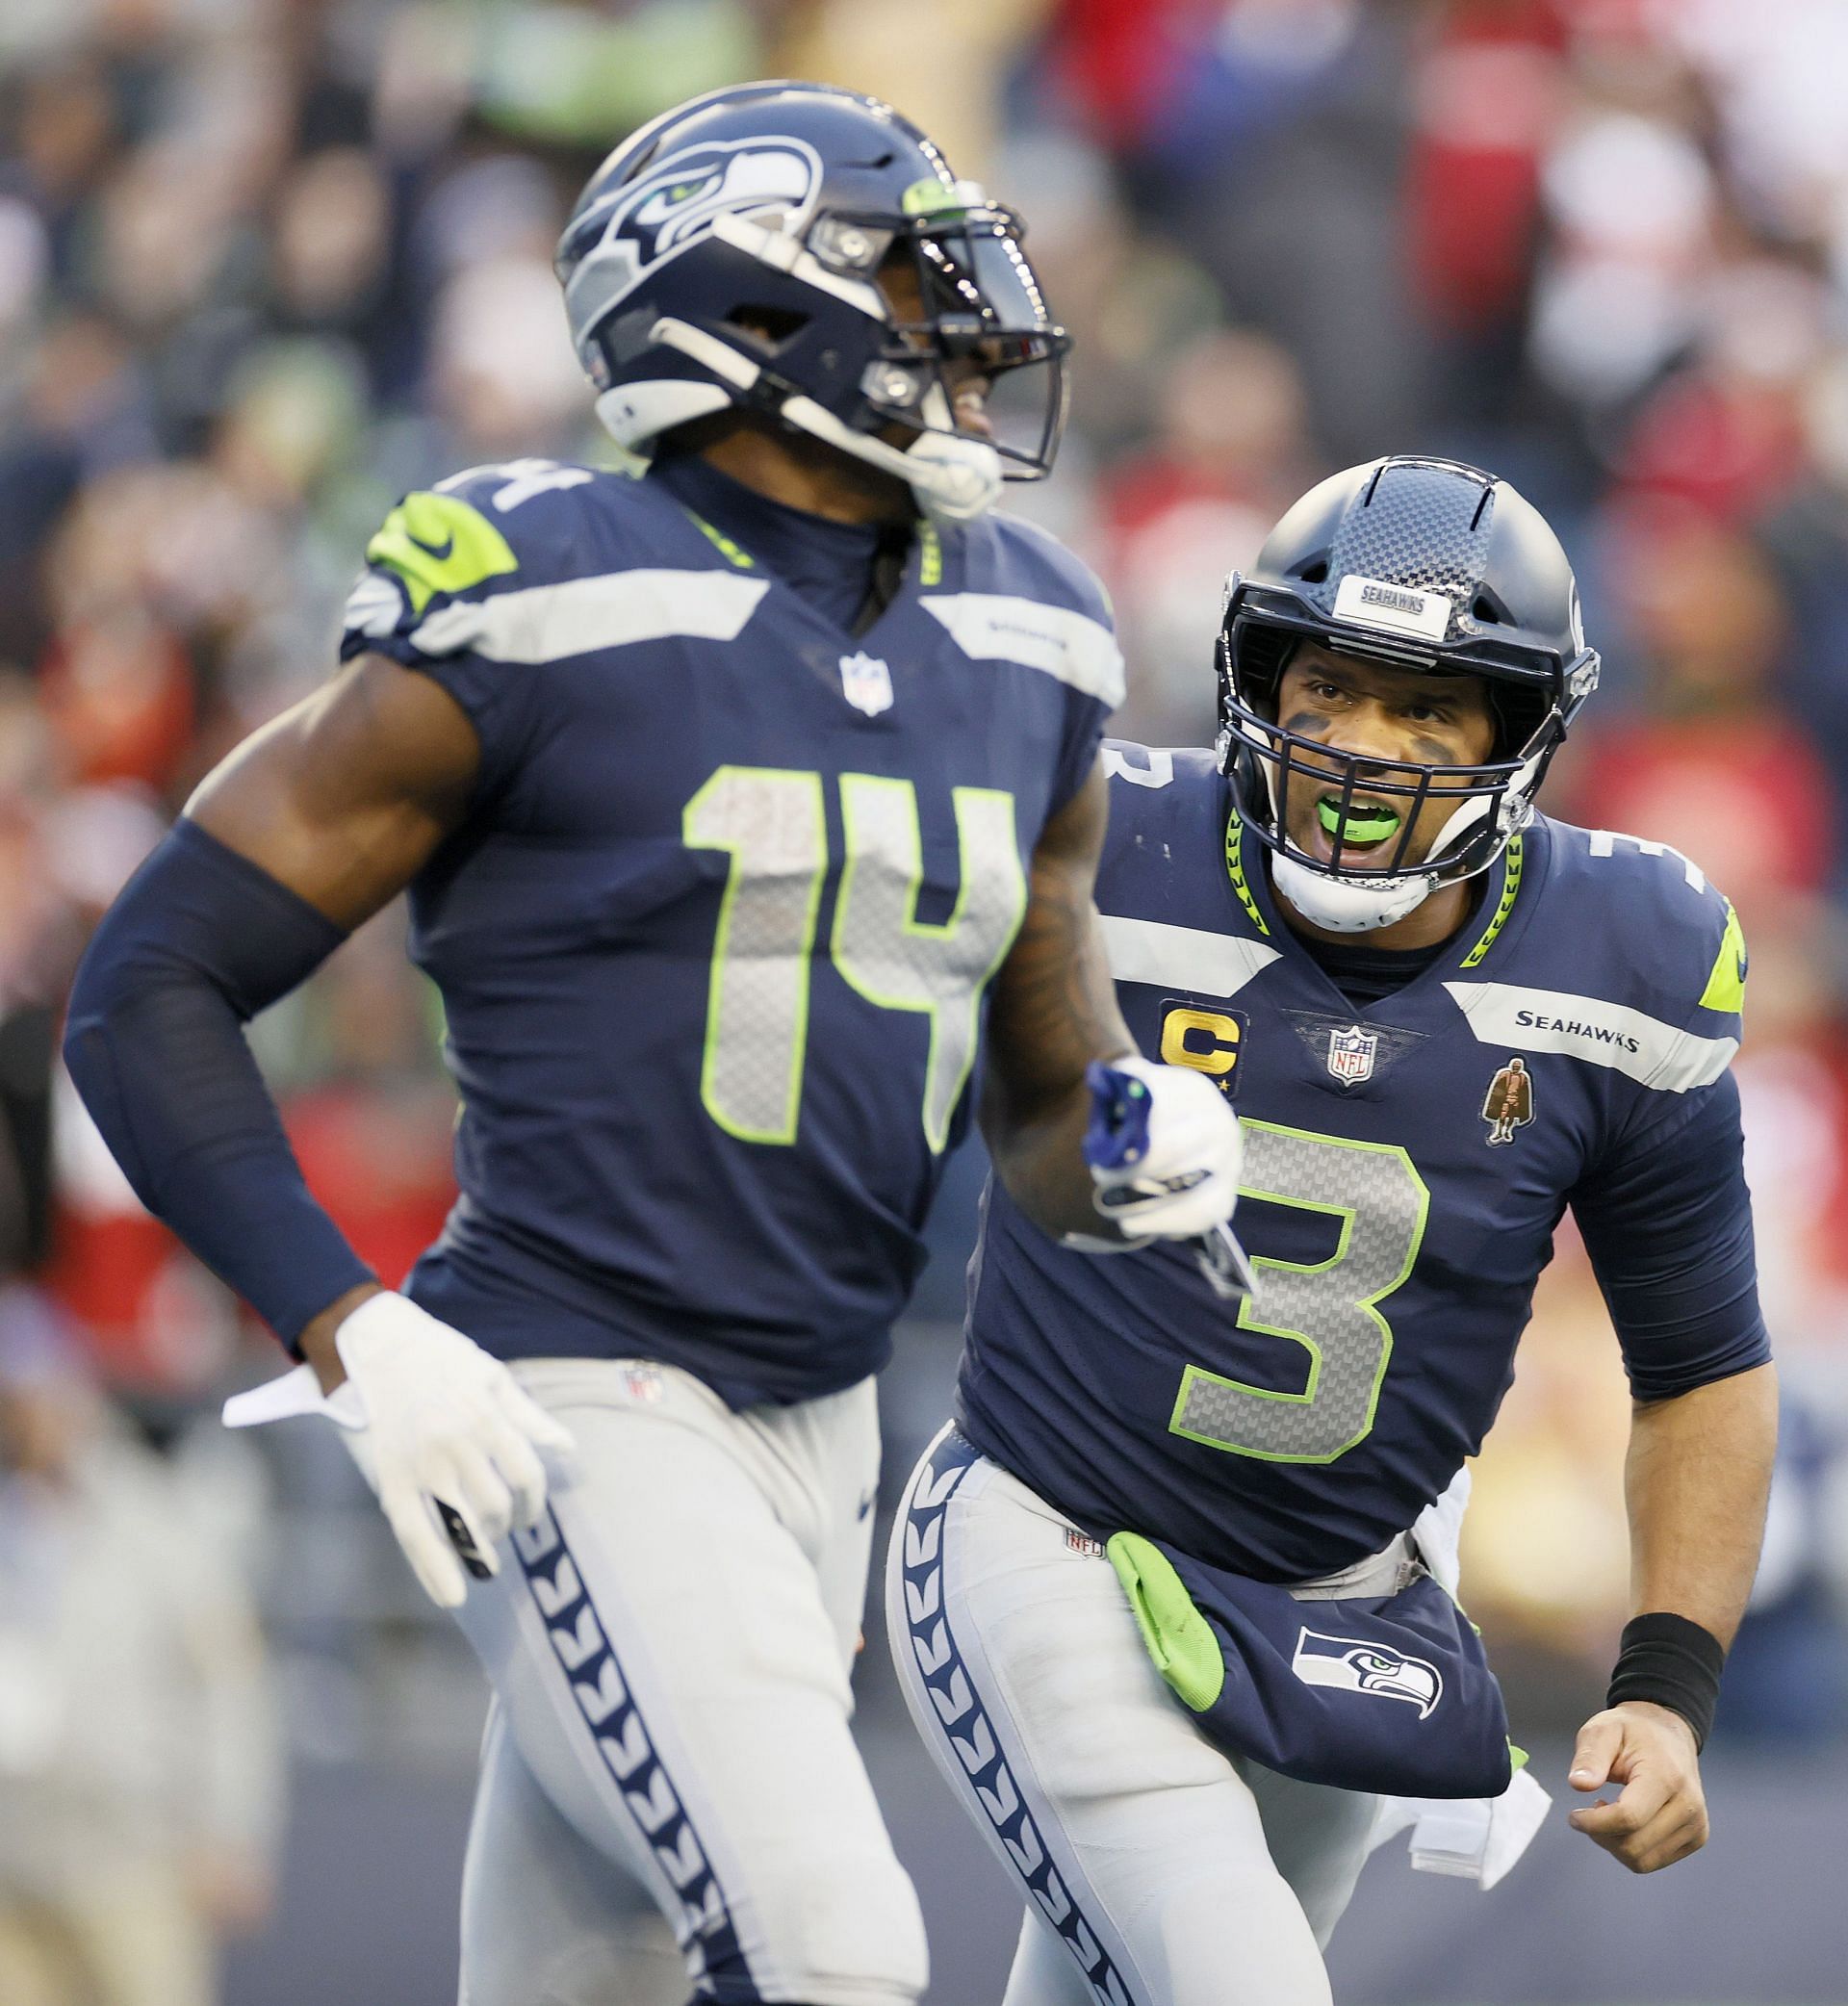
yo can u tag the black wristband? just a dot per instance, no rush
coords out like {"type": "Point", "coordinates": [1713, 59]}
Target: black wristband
{"type": "Point", "coordinates": [1672, 1662]}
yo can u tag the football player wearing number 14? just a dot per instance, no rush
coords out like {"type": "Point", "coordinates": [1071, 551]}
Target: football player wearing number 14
{"type": "Point", "coordinates": [731, 800]}
{"type": "Point", "coordinates": [1171, 1598]}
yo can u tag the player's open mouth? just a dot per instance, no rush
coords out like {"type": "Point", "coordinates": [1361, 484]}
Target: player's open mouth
{"type": "Point", "coordinates": [1366, 825]}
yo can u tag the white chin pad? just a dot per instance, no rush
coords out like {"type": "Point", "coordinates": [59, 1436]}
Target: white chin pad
{"type": "Point", "coordinates": [1356, 902]}
{"type": "Point", "coordinates": [958, 478]}
{"type": "Point", "coordinates": [954, 478]}
{"type": "Point", "coordinates": [1349, 905]}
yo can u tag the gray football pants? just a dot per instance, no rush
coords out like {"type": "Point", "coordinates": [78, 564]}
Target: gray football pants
{"type": "Point", "coordinates": [670, 1651]}
{"type": "Point", "coordinates": [1157, 1870]}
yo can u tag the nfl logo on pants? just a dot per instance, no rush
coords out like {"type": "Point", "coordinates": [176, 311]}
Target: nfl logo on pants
{"type": "Point", "coordinates": [1350, 1054]}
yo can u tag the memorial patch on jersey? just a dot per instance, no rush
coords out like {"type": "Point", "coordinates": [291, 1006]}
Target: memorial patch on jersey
{"type": "Point", "coordinates": [1211, 1042]}
{"type": "Point", "coordinates": [1352, 1664]}
{"type": "Point", "coordinates": [1508, 1104]}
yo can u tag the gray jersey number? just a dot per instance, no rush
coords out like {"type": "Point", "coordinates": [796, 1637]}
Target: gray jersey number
{"type": "Point", "coordinates": [1330, 1309]}
{"type": "Point", "coordinates": [773, 823]}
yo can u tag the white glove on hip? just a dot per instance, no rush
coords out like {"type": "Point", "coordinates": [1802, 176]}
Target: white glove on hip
{"type": "Point", "coordinates": [446, 1436]}
{"type": "Point", "coordinates": [1183, 1179]}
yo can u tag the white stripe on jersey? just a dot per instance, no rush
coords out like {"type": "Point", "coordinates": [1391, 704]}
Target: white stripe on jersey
{"type": "Point", "coordinates": [1628, 1041]}
{"type": "Point", "coordinates": [1181, 956]}
{"type": "Point", "coordinates": [999, 627]}
{"type": "Point", "coordinates": [546, 623]}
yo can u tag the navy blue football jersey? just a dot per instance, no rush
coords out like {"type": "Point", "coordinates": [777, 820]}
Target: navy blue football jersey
{"type": "Point", "coordinates": [715, 939]}
{"type": "Point", "coordinates": [1404, 1169]}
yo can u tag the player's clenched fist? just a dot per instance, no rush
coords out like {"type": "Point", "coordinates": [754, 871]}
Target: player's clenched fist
{"type": "Point", "coordinates": [1163, 1149]}
{"type": "Point", "coordinates": [446, 1433]}
{"type": "Point", "coordinates": [1660, 1815]}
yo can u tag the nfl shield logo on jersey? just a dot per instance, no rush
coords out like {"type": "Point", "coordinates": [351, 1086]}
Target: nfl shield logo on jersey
{"type": "Point", "coordinates": [1352, 1664]}
{"type": "Point", "coordinates": [866, 683]}
{"type": "Point", "coordinates": [1350, 1054]}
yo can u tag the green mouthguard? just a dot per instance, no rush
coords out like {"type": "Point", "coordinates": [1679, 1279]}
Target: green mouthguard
{"type": "Point", "coordinates": [1371, 825]}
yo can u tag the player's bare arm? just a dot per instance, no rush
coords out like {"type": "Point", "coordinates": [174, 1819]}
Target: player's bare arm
{"type": "Point", "coordinates": [343, 799]}
{"type": "Point", "coordinates": [1053, 1013]}
{"type": "Point", "coordinates": [1696, 1482]}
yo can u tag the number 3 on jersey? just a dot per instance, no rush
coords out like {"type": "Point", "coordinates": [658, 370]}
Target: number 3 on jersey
{"type": "Point", "coordinates": [1332, 1308]}
{"type": "Point", "coordinates": [773, 822]}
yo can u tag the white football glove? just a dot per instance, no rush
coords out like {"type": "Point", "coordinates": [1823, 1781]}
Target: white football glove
{"type": "Point", "coordinates": [1175, 1168]}
{"type": "Point", "coordinates": [445, 1433]}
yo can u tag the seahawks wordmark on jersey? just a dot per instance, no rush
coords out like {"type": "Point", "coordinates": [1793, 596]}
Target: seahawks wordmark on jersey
{"type": "Point", "coordinates": [714, 939]}
{"type": "Point", "coordinates": [1403, 1175]}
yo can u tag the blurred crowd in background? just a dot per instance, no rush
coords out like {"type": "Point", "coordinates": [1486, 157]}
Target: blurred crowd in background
{"type": "Point", "coordinates": [265, 265]}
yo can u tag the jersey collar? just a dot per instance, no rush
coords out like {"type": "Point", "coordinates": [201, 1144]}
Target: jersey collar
{"type": "Point", "coordinates": [1499, 915]}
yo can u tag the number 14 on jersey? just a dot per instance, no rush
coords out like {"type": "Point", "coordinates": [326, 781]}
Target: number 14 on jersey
{"type": "Point", "coordinates": [773, 823]}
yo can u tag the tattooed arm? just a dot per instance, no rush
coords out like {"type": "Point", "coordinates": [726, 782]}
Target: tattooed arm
{"type": "Point", "coordinates": [1054, 1010]}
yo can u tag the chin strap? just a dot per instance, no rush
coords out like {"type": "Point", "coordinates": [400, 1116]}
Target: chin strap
{"type": "Point", "coordinates": [952, 477]}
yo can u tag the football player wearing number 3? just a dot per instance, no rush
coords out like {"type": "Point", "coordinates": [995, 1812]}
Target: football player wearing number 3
{"type": "Point", "coordinates": [731, 801]}
{"type": "Point", "coordinates": [1173, 1597]}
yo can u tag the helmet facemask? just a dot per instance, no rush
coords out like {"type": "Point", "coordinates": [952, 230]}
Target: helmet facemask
{"type": "Point", "coordinates": [1429, 568]}
{"type": "Point", "coordinates": [1272, 767]}
{"type": "Point", "coordinates": [981, 318]}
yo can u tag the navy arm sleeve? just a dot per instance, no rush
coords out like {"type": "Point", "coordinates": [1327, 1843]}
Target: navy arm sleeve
{"type": "Point", "coordinates": [1667, 1221]}
{"type": "Point", "coordinates": [200, 941]}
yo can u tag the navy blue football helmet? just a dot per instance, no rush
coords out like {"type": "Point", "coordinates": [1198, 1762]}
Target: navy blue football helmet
{"type": "Point", "coordinates": [1417, 563]}
{"type": "Point", "coordinates": [728, 255]}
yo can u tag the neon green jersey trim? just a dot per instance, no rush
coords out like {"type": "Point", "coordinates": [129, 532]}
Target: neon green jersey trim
{"type": "Point", "coordinates": [438, 543]}
{"type": "Point", "coordinates": [1178, 1638]}
{"type": "Point", "coordinates": [1725, 985]}
{"type": "Point", "coordinates": [930, 556]}
{"type": "Point", "coordinates": [1517, 1760]}
{"type": "Point", "coordinates": [1510, 892]}
{"type": "Point", "coordinates": [723, 544]}
{"type": "Point", "coordinates": [1235, 870]}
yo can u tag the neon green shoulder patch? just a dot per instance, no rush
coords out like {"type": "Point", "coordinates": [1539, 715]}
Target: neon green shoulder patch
{"type": "Point", "coordinates": [1725, 985]}
{"type": "Point", "coordinates": [437, 543]}
{"type": "Point", "coordinates": [1178, 1638]}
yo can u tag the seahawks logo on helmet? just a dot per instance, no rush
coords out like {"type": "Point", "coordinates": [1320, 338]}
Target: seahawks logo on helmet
{"type": "Point", "coordinates": [636, 225]}
{"type": "Point", "coordinates": [1351, 1664]}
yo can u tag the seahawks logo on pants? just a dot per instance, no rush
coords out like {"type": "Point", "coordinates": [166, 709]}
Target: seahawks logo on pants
{"type": "Point", "coordinates": [1351, 1664]}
